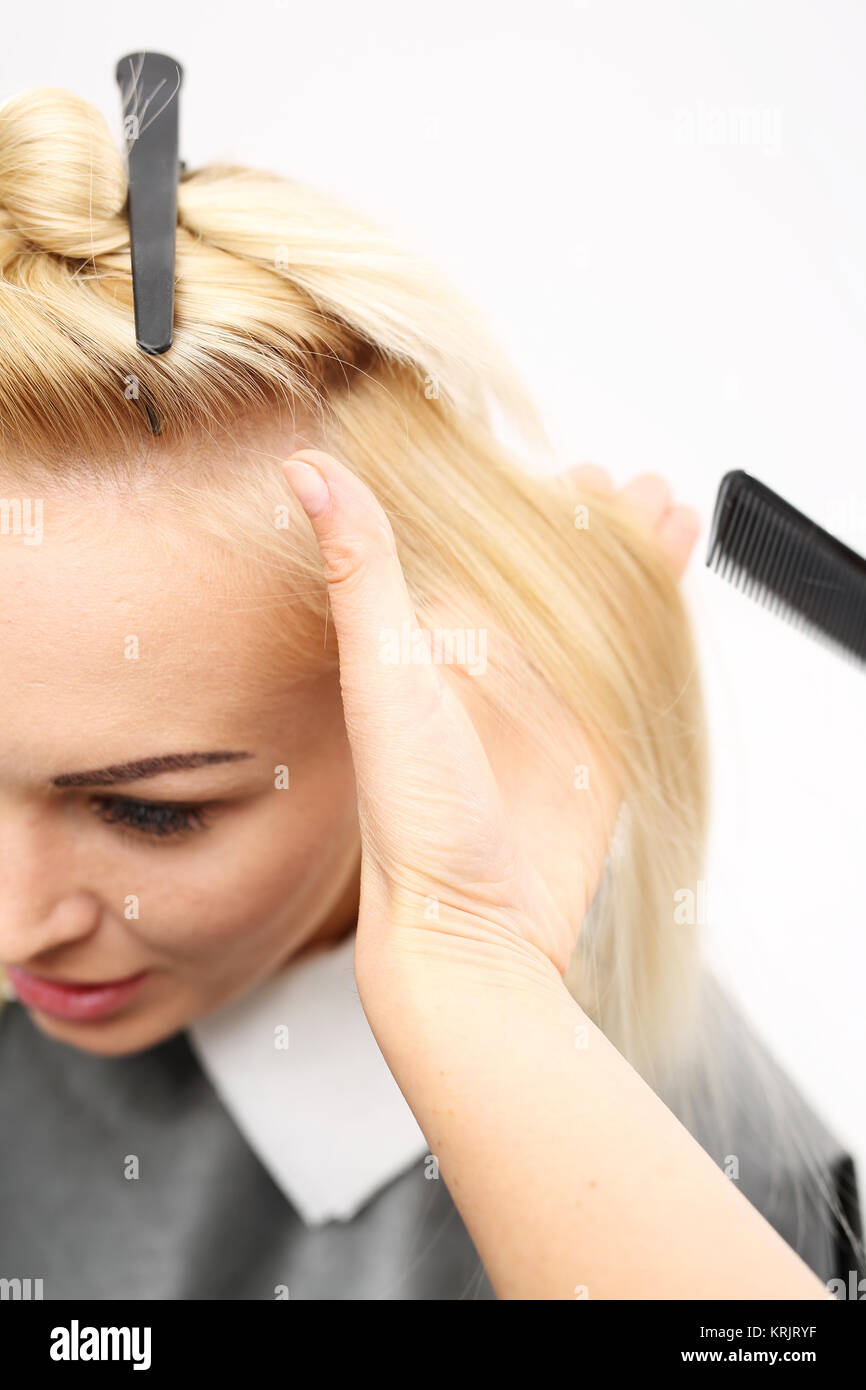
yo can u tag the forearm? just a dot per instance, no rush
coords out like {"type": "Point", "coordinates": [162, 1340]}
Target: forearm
{"type": "Point", "coordinates": [570, 1174]}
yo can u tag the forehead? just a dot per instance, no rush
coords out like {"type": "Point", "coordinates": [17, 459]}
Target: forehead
{"type": "Point", "coordinates": [113, 626]}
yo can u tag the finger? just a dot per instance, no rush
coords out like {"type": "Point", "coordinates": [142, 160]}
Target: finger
{"type": "Point", "coordinates": [650, 495]}
{"type": "Point", "coordinates": [677, 533]}
{"type": "Point", "coordinates": [590, 475]}
{"type": "Point", "coordinates": [389, 695]}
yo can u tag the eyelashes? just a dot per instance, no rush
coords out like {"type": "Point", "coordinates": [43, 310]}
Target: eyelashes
{"type": "Point", "coordinates": [163, 820]}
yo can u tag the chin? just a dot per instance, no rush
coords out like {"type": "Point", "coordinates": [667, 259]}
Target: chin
{"type": "Point", "coordinates": [121, 1035]}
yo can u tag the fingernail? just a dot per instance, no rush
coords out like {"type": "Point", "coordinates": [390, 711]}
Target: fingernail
{"type": "Point", "coordinates": [308, 485]}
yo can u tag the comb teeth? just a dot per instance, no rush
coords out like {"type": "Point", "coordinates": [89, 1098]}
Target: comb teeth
{"type": "Point", "coordinates": [777, 556]}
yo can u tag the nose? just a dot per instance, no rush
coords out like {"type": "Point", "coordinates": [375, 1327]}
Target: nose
{"type": "Point", "coordinates": [41, 906]}
{"type": "Point", "coordinates": [69, 919]}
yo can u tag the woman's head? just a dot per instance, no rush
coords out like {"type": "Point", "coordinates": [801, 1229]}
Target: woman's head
{"type": "Point", "coordinates": [174, 603]}
{"type": "Point", "coordinates": [130, 637]}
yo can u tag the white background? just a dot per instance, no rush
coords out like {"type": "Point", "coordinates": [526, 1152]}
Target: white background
{"type": "Point", "coordinates": [682, 305]}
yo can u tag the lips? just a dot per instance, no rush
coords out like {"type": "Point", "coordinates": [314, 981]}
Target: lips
{"type": "Point", "coordinates": [78, 1002]}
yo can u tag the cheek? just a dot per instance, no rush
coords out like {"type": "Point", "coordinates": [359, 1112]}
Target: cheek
{"type": "Point", "coordinates": [260, 875]}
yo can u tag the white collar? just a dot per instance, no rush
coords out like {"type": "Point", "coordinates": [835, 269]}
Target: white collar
{"type": "Point", "coordinates": [323, 1113]}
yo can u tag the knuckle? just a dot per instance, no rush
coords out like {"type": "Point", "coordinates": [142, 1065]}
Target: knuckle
{"type": "Point", "coordinates": [344, 562]}
{"type": "Point", "coordinates": [348, 559]}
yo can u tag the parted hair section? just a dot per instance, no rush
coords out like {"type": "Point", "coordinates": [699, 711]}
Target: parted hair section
{"type": "Point", "coordinates": [290, 306]}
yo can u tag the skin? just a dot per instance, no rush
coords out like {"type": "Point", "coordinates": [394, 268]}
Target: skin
{"type": "Point", "coordinates": [277, 872]}
{"type": "Point", "coordinates": [219, 909]}
{"type": "Point", "coordinates": [570, 1174]}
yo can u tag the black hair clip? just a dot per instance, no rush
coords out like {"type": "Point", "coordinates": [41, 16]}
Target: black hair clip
{"type": "Point", "coordinates": [149, 85]}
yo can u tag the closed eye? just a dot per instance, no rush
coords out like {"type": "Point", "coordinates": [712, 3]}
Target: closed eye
{"type": "Point", "coordinates": [162, 819]}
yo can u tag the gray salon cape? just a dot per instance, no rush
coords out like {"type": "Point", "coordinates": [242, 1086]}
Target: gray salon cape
{"type": "Point", "coordinates": [175, 1173]}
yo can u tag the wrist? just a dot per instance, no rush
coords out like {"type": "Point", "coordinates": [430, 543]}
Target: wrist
{"type": "Point", "coordinates": [441, 988]}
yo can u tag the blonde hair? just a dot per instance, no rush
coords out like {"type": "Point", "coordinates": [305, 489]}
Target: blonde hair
{"type": "Point", "coordinates": [288, 304]}
{"type": "Point", "coordinates": [291, 308]}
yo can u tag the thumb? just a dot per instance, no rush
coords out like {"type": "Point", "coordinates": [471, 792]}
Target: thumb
{"type": "Point", "coordinates": [387, 703]}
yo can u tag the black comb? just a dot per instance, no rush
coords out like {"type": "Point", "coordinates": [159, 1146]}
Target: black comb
{"type": "Point", "coordinates": [776, 555]}
{"type": "Point", "coordinates": [150, 86]}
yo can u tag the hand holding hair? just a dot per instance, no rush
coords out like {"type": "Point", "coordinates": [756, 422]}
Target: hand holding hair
{"type": "Point", "coordinates": [441, 863]}
{"type": "Point", "coordinates": [573, 1178]}
{"type": "Point", "coordinates": [675, 527]}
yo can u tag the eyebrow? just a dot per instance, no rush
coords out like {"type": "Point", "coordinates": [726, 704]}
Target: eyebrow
{"type": "Point", "coordinates": [145, 767]}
